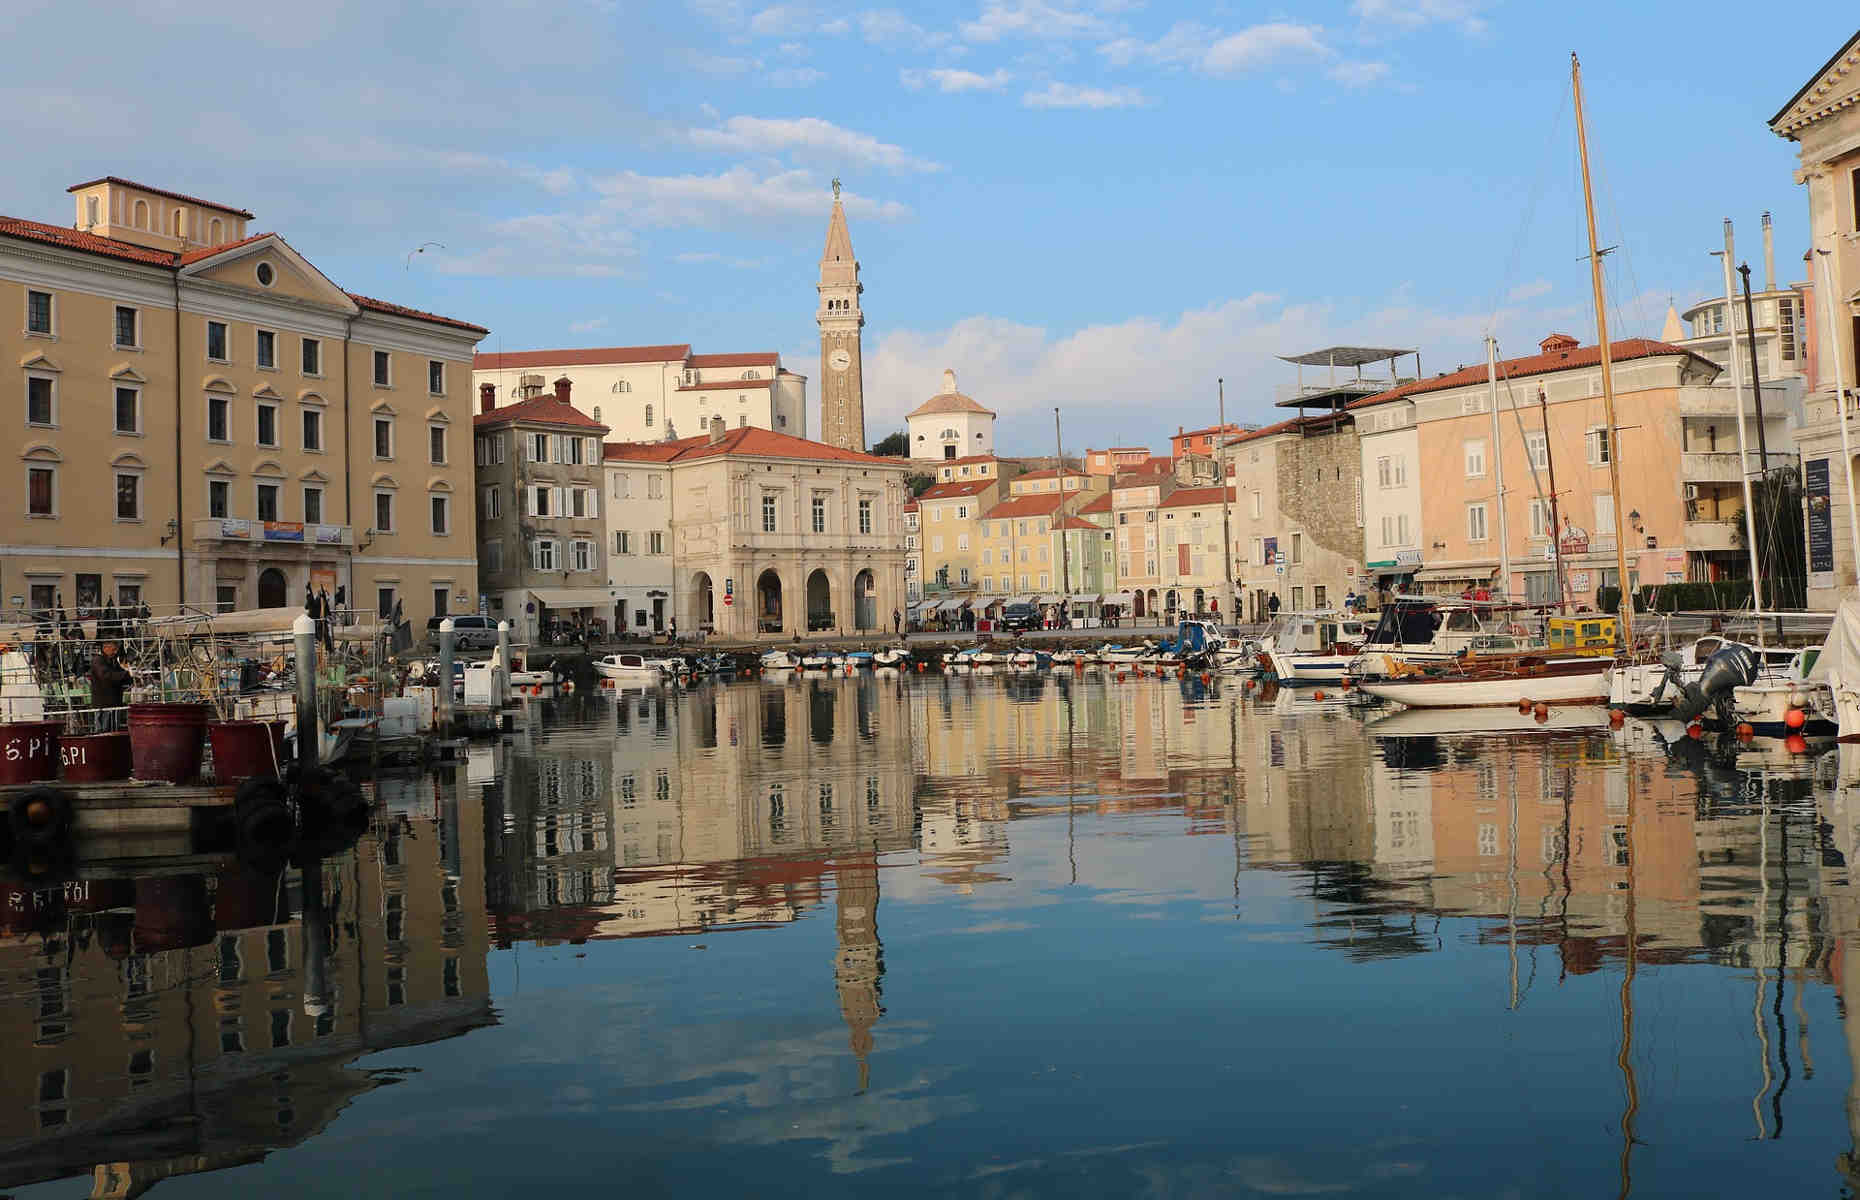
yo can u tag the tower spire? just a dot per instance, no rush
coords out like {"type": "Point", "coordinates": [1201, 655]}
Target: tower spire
{"type": "Point", "coordinates": [842, 385]}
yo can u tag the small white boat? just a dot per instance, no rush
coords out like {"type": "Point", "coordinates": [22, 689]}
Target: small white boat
{"type": "Point", "coordinates": [1567, 682]}
{"type": "Point", "coordinates": [890, 656]}
{"type": "Point", "coordinates": [855, 659]}
{"type": "Point", "coordinates": [1124, 654]}
{"type": "Point", "coordinates": [778, 660]}
{"type": "Point", "coordinates": [629, 668]}
{"type": "Point", "coordinates": [817, 661]}
{"type": "Point", "coordinates": [1420, 631]}
{"type": "Point", "coordinates": [1071, 658]}
{"type": "Point", "coordinates": [1315, 648]}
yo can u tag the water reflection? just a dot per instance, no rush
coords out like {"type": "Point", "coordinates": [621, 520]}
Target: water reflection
{"type": "Point", "coordinates": [1027, 934]}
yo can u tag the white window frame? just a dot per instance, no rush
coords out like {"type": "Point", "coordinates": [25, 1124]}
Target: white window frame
{"type": "Point", "coordinates": [258, 431]}
{"type": "Point", "coordinates": [430, 389]}
{"type": "Point", "coordinates": [304, 420]}
{"type": "Point", "coordinates": [492, 498]}
{"type": "Point", "coordinates": [135, 390]}
{"type": "Point", "coordinates": [304, 344]}
{"type": "Point", "coordinates": [258, 340]}
{"type": "Point", "coordinates": [51, 314]}
{"type": "Point", "coordinates": [225, 342]}
{"type": "Point", "coordinates": [817, 514]}
{"type": "Point", "coordinates": [539, 549]}
{"type": "Point", "coordinates": [1540, 517]}
{"type": "Point", "coordinates": [1474, 449]}
{"type": "Point", "coordinates": [321, 495]}
{"type": "Point", "coordinates": [1537, 449]}
{"type": "Point", "coordinates": [374, 432]}
{"type": "Point", "coordinates": [771, 513]}
{"type": "Point", "coordinates": [865, 515]}
{"type": "Point", "coordinates": [581, 554]}
{"type": "Point", "coordinates": [445, 447]}
{"type": "Point", "coordinates": [51, 381]}
{"type": "Point", "coordinates": [1598, 445]}
{"type": "Point", "coordinates": [277, 500]}
{"type": "Point", "coordinates": [135, 315]}
{"type": "Point", "coordinates": [225, 482]}
{"type": "Point", "coordinates": [219, 398]}
{"type": "Point", "coordinates": [1478, 522]}
{"type": "Point", "coordinates": [375, 512]}
{"type": "Point", "coordinates": [434, 527]}
{"type": "Point", "coordinates": [117, 474]}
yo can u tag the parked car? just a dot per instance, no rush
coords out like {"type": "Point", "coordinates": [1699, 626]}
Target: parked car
{"type": "Point", "coordinates": [470, 632]}
{"type": "Point", "coordinates": [1016, 617]}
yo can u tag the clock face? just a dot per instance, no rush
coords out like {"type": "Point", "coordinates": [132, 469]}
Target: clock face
{"type": "Point", "coordinates": [839, 360]}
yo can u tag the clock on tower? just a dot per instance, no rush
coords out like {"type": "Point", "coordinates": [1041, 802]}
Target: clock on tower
{"type": "Point", "coordinates": [842, 385]}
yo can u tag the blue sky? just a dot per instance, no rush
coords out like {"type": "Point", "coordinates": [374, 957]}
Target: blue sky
{"type": "Point", "coordinates": [1102, 206]}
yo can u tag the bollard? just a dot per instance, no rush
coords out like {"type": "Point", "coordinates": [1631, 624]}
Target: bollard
{"type": "Point", "coordinates": [445, 677]}
{"type": "Point", "coordinates": [309, 731]}
{"type": "Point", "coordinates": [503, 656]}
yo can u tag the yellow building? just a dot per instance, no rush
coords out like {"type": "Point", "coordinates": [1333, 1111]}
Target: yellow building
{"type": "Point", "coordinates": [206, 419]}
{"type": "Point", "coordinates": [948, 518]}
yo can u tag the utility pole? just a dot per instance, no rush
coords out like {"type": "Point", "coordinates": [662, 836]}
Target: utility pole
{"type": "Point", "coordinates": [1065, 555]}
{"type": "Point", "coordinates": [1227, 537]}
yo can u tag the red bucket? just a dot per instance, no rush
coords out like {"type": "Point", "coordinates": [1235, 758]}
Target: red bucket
{"type": "Point", "coordinates": [29, 751]}
{"type": "Point", "coordinates": [172, 912]}
{"type": "Point", "coordinates": [97, 758]}
{"type": "Point", "coordinates": [166, 741]}
{"type": "Point", "coordinates": [246, 749]}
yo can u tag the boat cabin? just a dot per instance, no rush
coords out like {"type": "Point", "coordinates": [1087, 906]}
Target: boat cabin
{"type": "Point", "coordinates": [1590, 633]}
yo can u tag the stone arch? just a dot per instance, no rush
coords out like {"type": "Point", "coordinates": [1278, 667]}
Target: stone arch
{"type": "Point", "coordinates": [865, 600]}
{"type": "Point", "coordinates": [1152, 603]}
{"type": "Point", "coordinates": [703, 612]}
{"type": "Point", "coordinates": [819, 592]}
{"type": "Point", "coordinates": [1136, 604]}
{"type": "Point", "coordinates": [769, 598]}
{"type": "Point", "coordinates": [273, 588]}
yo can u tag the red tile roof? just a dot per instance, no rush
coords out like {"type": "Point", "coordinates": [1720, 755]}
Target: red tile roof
{"type": "Point", "coordinates": [1137, 479]}
{"type": "Point", "coordinates": [414, 314]}
{"type": "Point", "coordinates": [89, 243]}
{"type": "Point", "coordinates": [155, 191]}
{"type": "Point", "coordinates": [726, 384]}
{"type": "Point", "coordinates": [640, 451]}
{"type": "Point", "coordinates": [967, 458]}
{"type": "Point", "coordinates": [592, 357]}
{"type": "Point", "coordinates": [956, 488]}
{"type": "Point", "coordinates": [538, 410]}
{"type": "Point", "coordinates": [1025, 506]}
{"type": "Point", "coordinates": [1050, 473]}
{"type": "Point", "coordinates": [910, 506]}
{"type": "Point", "coordinates": [1196, 496]}
{"type": "Point", "coordinates": [1533, 364]}
{"type": "Point", "coordinates": [1101, 504]}
{"type": "Point", "coordinates": [204, 252]}
{"type": "Point", "coordinates": [754, 358]}
{"type": "Point", "coordinates": [1078, 523]}
{"type": "Point", "coordinates": [766, 443]}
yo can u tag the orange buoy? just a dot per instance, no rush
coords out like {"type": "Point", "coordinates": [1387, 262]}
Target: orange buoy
{"type": "Point", "coordinates": [1616, 717]}
{"type": "Point", "coordinates": [1695, 731]}
{"type": "Point", "coordinates": [1318, 695]}
{"type": "Point", "coordinates": [1246, 685]}
{"type": "Point", "coordinates": [1206, 679]}
{"type": "Point", "coordinates": [1795, 743]}
{"type": "Point", "coordinates": [1745, 731]}
{"type": "Point", "coordinates": [1542, 711]}
{"type": "Point", "coordinates": [1795, 718]}
{"type": "Point", "coordinates": [1524, 705]}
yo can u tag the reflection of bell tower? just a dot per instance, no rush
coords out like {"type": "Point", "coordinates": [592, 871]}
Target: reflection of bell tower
{"type": "Point", "coordinates": [842, 378]}
{"type": "Point", "coordinates": [860, 966]}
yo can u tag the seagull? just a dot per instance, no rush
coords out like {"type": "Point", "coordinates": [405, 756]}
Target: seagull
{"type": "Point", "coordinates": [421, 249]}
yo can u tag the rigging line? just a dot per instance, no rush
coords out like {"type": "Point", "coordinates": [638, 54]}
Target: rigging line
{"type": "Point", "coordinates": [1530, 210]}
{"type": "Point", "coordinates": [1627, 259]}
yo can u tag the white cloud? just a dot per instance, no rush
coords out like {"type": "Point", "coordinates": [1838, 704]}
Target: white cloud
{"type": "Point", "coordinates": [808, 135]}
{"type": "Point", "coordinates": [585, 245]}
{"type": "Point", "coordinates": [1529, 291]}
{"type": "Point", "coordinates": [948, 79]}
{"type": "Point", "coordinates": [1185, 43]}
{"type": "Point", "coordinates": [737, 198]}
{"type": "Point", "coordinates": [1356, 74]}
{"type": "Point", "coordinates": [701, 257]}
{"type": "Point", "coordinates": [794, 77]}
{"type": "Point", "coordinates": [784, 20]}
{"type": "Point", "coordinates": [1261, 45]}
{"type": "Point", "coordinates": [1400, 16]}
{"type": "Point", "coordinates": [587, 326]}
{"type": "Point", "coordinates": [1039, 19]}
{"type": "Point", "coordinates": [1072, 95]}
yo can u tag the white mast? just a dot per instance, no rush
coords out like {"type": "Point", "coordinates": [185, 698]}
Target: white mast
{"type": "Point", "coordinates": [1498, 469]}
{"type": "Point", "coordinates": [1743, 460]}
{"type": "Point", "coordinates": [1825, 294]}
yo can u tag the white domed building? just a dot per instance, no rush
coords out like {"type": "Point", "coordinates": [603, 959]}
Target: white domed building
{"type": "Point", "coordinates": [950, 425]}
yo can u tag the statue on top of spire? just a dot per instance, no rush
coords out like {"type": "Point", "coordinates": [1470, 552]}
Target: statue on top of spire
{"type": "Point", "coordinates": [836, 187]}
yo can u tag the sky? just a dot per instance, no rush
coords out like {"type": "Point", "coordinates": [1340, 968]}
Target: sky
{"type": "Point", "coordinates": [1099, 205]}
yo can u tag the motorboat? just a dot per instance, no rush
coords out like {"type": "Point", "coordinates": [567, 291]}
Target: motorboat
{"type": "Point", "coordinates": [1124, 654]}
{"type": "Point", "coordinates": [1070, 658]}
{"type": "Point", "coordinates": [891, 656]}
{"type": "Point", "coordinates": [630, 668]}
{"type": "Point", "coordinates": [857, 659]}
{"type": "Point", "coordinates": [1030, 660]}
{"type": "Point", "coordinates": [777, 660]}
{"type": "Point", "coordinates": [1838, 667]}
{"type": "Point", "coordinates": [1481, 684]}
{"type": "Point", "coordinates": [1790, 701]}
{"type": "Point", "coordinates": [1420, 631]}
{"type": "Point", "coordinates": [1315, 648]}
{"type": "Point", "coordinates": [816, 660]}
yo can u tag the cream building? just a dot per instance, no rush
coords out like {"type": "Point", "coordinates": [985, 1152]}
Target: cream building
{"type": "Point", "coordinates": [1191, 562]}
{"type": "Point", "coordinates": [655, 393]}
{"type": "Point", "coordinates": [948, 518]}
{"type": "Point", "coordinates": [639, 536]}
{"type": "Point", "coordinates": [1297, 515]}
{"type": "Point", "coordinates": [540, 480]}
{"type": "Point", "coordinates": [950, 425]}
{"type": "Point", "coordinates": [205, 419]}
{"type": "Point", "coordinates": [775, 536]}
{"type": "Point", "coordinates": [1136, 504]}
{"type": "Point", "coordinates": [1823, 119]}
{"type": "Point", "coordinates": [1019, 552]}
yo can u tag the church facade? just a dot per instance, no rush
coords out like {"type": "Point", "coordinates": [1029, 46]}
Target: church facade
{"type": "Point", "coordinates": [840, 317]}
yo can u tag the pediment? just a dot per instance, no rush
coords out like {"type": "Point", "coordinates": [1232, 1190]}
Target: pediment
{"type": "Point", "coordinates": [293, 277]}
{"type": "Point", "coordinates": [38, 362]}
{"type": "Point", "coordinates": [41, 452]}
{"type": "Point", "coordinates": [437, 483]}
{"type": "Point", "coordinates": [313, 476]}
{"type": "Point", "coordinates": [383, 480]}
{"type": "Point", "coordinates": [382, 407]}
{"type": "Point", "coordinates": [311, 396]}
{"type": "Point", "coordinates": [1834, 88]}
{"type": "Point", "coordinates": [437, 416]}
{"type": "Point", "coordinates": [218, 383]}
{"type": "Point", "coordinates": [264, 391]}
{"type": "Point", "coordinates": [129, 459]}
{"type": "Point", "coordinates": [220, 466]}
{"type": "Point", "coordinates": [268, 466]}
{"type": "Point", "coordinates": [124, 373]}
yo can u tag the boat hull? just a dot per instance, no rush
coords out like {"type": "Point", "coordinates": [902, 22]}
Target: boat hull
{"type": "Point", "coordinates": [1548, 687]}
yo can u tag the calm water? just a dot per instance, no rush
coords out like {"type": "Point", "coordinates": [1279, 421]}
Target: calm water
{"type": "Point", "coordinates": [976, 936]}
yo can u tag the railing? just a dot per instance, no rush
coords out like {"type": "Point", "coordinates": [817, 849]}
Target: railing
{"type": "Point", "coordinates": [272, 533]}
{"type": "Point", "coordinates": [1721, 466]}
{"type": "Point", "coordinates": [1352, 385]}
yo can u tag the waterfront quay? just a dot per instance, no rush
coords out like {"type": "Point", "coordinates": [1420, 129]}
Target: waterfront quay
{"type": "Point", "coordinates": [915, 932]}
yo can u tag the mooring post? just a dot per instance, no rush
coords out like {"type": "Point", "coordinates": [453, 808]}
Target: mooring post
{"type": "Point", "coordinates": [309, 729]}
{"type": "Point", "coordinates": [445, 677]}
{"type": "Point", "coordinates": [503, 656]}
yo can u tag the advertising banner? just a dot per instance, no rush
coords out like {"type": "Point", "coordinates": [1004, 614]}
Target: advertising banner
{"type": "Point", "coordinates": [1820, 509]}
{"type": "Point", "coordinates": [284, 531]}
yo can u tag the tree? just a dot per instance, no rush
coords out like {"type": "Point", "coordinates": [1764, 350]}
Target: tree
{"type": "Point", "coordinates": [893, 445]}
{"type": "Point", "coordinates": [919, 484]}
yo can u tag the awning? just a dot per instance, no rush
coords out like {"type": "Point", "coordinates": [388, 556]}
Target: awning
{"type": "Point", "coordinates": [1441, 574]}
{"type": "Point", "coordinates": [593, 597]}
{"type": "Point", "coordinates": [1122, 599]}
{"type": "Point", "coordinates": [1051, 599]}
{"type": "Point", "coordinates": [953, 604]}
{"type": "Point", "coordinates": [1084, 598]}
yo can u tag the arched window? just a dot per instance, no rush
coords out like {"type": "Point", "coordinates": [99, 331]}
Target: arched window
{"type": "Point", "coordinates": [142, 214]}
{"type": "Point", "coordinates": [179, 225]}
{"type": "Point", "coordinates": [623, 386]}
{"type": "Point", "coordinates": [749, 374]}
{"type": "Point", "coordinates": [597, 412]}
{"type": "Point", "coordinates": [213, 232]}
{"type": "Point", "coordinates": [649, 416]}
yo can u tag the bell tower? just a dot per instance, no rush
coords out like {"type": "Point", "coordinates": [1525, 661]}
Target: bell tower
{"type": "Point", "coordinates": [842, 380]}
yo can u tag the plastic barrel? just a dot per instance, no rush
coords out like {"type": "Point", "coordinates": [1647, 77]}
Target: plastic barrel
{"type": "Point", "coordinates": [29, 751]}
{"type": "Point", "coordinates": [96, 758]}
{"type": "Point", "coordinates": [167, 741]}
{"type": "Point", "coordinates": [246, 749]}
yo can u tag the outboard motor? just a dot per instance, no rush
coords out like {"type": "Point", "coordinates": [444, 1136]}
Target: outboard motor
{"type": "Point", "coordinates": [1727, 670]}
{"type": "Point", "coordinates": [1671, 666]}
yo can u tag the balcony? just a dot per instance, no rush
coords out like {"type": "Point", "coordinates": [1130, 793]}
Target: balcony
{"type": "Point", "coordinates": [1714, 535]}
{"type": "Point", "coordinates": [1721, 466]}
{"type": "Point", "coordinates": [1716, 401]}
{"type": "Point", "coordinates": [279, 534]}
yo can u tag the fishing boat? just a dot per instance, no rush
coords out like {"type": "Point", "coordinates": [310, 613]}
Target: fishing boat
{"type": "Point", "coordinates": [816, 660]}
{"type": "Point", "coordinates": [1071, 658]}
{"type": "Point", "coordinates": [1124, 654]}
{"type": "Point", "coordinates": [1030, 660]}
{"type": "Point", "coordinates": [1477, 684]}
{"type": "Point", "coordinates": [629, 668]}
{"type": "Point", "coordinates": [1315, 648]}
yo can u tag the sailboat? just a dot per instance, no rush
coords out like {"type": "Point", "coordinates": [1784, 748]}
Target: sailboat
{"type": "Point", "coordinates": [1484, 682]}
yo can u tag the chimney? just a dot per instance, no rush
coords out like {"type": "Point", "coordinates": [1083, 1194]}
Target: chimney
{"type": "Point", "coordinates": [487, 397]}
{"type": "Point", "coordinates": [717, 428]}
{"type": "Point", "coordinates": [1769, 255]}
{"type": "Point", "coordinates": [561, 389]}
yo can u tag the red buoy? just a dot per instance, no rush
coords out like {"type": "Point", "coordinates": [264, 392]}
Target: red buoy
{"type": "Point", "coordinates": [1795, 743]}
{"type": "Point", "coordinates": [1695, 731]}
{"type": "Point", "coordinates": [1524, 705]}
{"type": "Point", "coordinates": [1616, 718]}
{"type": "Point", "coordinates": [1745, 731]}
{"type": "Point", "coordinates": [1795, 718]}
{"type": "Point", "coordinates": [1318, 695]}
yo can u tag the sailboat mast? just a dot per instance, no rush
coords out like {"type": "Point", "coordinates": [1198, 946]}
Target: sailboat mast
{"type": "Point", "coordinates": [1498, 469]}
{"type": "Point", "coordinates": [1743, 451]}
{"type": "Point", "coordinates": [1625, 591]}
{"type": "Point", "coordinates": [1556, 524]}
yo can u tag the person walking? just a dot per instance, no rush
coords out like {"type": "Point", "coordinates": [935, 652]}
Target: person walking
{"type": "Point", "coordinates": [107, 681]}
{"type": "Point", "coordinates": [1272, 605]}
{"type": "Point", "coordinates": [897, 623]}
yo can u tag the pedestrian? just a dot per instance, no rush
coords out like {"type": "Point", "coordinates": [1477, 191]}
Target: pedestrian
{"type": "Point", "coordinates": [107, 680]}
{"type": "Point", "coordinates": [897, 623]}
{"type": "Point", "coordinates": [1349, 601]}
{"type": "Point", "coordinates": [1272, 605]}
{"type": "Point", "coordinates": [672, 625]}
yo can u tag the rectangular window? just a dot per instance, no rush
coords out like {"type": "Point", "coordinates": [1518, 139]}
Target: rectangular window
{"type": "Point", "coordinates": [1298, 547]}
{"type": "Point", "coordinates": [128, 496]}
{"type": "Point", "coordinates": [865, 516]}
{"type": "Point", "coordinates": [384, 438]}
{"type": "Point", "coordinates": [436, 443]}
{"type": "Point", "coordinates": [313, 429]}
{"type": "Point", "coordinates": [382, 361]}
{"type": "Point", "coordinates": [1472, 404]}
{"type": "Point", "coordinates": [41, 491]}
{"type": "Point", "coordinates": [536, 501]}
{"type": "Point", "coordinates": [1475, 523]}
{"type": "Point", "coordinates": [1598, 447]}
{"type": "Point", "coordinates": [384, 602]}
{"type": "Point", "coordinates": [1475, 458]}
{"type": "Point", "coordinates": [1537, 449]}
{"type": "Point", "coordinates": [219, 419]}
{"type": "Point", "coordinates": [820, 514]}
{"type": "Point", "coordinates": [584, 555]}
{"type": "Point", "coordinates": [267, 424]}
{"type": "Point", "coordinates": [267, 501]}
{"type": "Point", "coordinates": [128, 410]}
{"type": "Point", "coordinates": [543, 556]}
{"type": "Point", "coordinates": [226, 597]}
{"type": "Point", "coordinates": [442, 515]}
{"type": "Point", "coordinates": [312, 357]}
{"type": "Point", "coordinates": [313, 505]}
{"type": "Point", "coordinates": [40, 408]}
{"type": "Point", "coordinates": [493, 555]}
{"type": "Point", "coordinates": [623, 541]}
{"type": "Point", "coordinates": [1604, 516]}
{"type": "Point", "coordinates": [768, 514]}
{"type": "Point", "coordinates": [491, 505]}
{"type": "Point", "coordinates": [127, 327]}
{"type": "Point", "coordinates": [219, 498]}
{"type": "Point", "coordinates": [39, 312]}
{"type": "Point", "coordinates": [436, 377]}
{"type": "Point", "coordinates": [267, 349]}
{"type": "Point", "coordinates": [539, 447]}
{"type": "Point", "coordinates": [216, 341]}
{"type": "Point", "coordinates": [1540, 518]}
{"type": "Point", "coordinates": [578, 502]}
{"type": "Point", "coordinates": [1259, 505]}
{"type": "Point", "coordinates": [655, 488]}
{"type": "Point", "coordinates": [384, 512]}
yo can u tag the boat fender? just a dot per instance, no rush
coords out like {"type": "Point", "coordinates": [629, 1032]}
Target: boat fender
{"type": "Point", "coordinates": [40, 817]}
{"type": "Point", "coordinates": [262, 815]}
